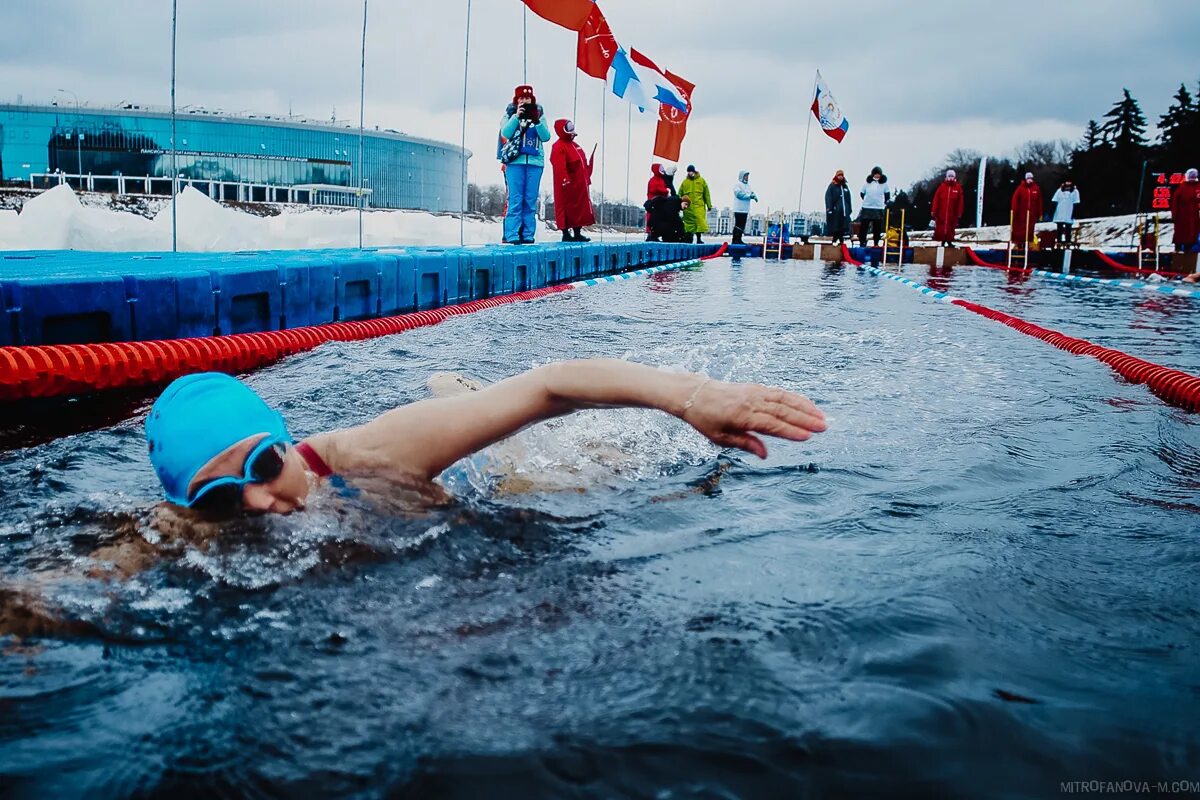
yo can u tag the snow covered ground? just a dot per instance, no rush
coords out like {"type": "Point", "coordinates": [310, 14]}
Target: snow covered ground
{"type": "Point", "coordinates": [57, 219]}
{"type": "Point", "coordinates": [1102, 232]}
{"type": "Point", "coordinates": [60, 219]}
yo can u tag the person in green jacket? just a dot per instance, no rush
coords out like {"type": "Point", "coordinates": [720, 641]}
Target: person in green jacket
{"type": "Point", "coordinates": [697, 202]}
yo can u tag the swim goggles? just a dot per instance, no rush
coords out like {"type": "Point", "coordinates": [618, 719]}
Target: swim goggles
{"type": "Point", "coordinates": [224, 495]}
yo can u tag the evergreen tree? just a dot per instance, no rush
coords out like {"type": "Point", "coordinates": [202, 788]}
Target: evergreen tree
{"type": "Point", "coordinates": [1092, 137]}
{"type": "Point", "coordinates": [1178, 115]}
{"type": "Point", "coordinates": [1126, 125]}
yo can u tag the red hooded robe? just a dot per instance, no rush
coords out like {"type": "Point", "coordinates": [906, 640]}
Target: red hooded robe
{"type": "Point", "coordinates": [1185, 212]}
{"type": "Point", "coordinates": [947, 210]}
{"type": "Point", "coordinates": [657, 187]}
{"type": "Point", "coordinates": [572, 181]}
{"type": "Point", "coordinates": [1027, 210]}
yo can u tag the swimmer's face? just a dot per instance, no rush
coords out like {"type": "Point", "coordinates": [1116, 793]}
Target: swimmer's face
{"type": "Point", "coordinates": [283, 495]}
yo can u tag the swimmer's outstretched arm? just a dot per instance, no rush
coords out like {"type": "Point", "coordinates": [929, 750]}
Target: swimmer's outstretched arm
{"type": "Point", "coordinates": [423, 439]}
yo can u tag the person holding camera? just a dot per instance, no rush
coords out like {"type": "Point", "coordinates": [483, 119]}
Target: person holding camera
{"type": "Point", "coordinates": [524, 130]}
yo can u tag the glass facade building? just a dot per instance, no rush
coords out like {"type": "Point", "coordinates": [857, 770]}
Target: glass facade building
{"type": "Point", "coordinates": [251, 158]}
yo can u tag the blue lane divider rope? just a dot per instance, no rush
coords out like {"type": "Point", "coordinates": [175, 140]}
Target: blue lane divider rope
{"type": "Point", "coordinates": [1171, 288]}
{"type": "Point", "coordinates": [637, 273]}
{"type": "Point", "coordinates": [920, 287]}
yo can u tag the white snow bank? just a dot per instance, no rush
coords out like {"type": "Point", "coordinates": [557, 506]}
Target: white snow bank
{"type": "Point", "coordinates": [56, 220]}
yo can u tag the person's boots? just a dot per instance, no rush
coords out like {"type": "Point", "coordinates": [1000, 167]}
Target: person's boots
{"type": "Point", "coordinates": [579, 237]}
{"type": "Point", "coordinates": [567, 235]}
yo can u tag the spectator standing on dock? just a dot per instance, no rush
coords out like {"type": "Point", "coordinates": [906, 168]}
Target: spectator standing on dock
{"type": "Point", "coordinates": [572, 182]}
{"type": "Point", "coordinates": [1065, 199]}
{"type": "Point", "coordinates": [1185, 212]}
{"type": "Point", "coordinates": [838, 208]}
{"type": "Point", "coordinates": [662, 206]}
{"type": "Point", "coordinates": [525, 129]}
{"type": "Point", "coordinates": [947, 209]}
{"type": "Point", "coordinates": [1026, 210]}
{"type": "Point", "coordinates": [875, 195]}
{"type": "Point", "coordinates": [695, 211]}
{"type": "Point", "coordinates": [742, 195]}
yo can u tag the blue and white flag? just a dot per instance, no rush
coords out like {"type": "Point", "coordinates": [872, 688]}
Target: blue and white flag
{"type": "Point", "coordinates": [638, 81]}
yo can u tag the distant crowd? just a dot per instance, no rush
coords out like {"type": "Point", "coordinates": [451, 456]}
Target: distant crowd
{"type": "Point", "coordinates": [681, 215]}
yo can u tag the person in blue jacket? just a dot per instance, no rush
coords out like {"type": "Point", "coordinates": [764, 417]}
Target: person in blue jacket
{"type": "Point", "coordinates": [524, 130]}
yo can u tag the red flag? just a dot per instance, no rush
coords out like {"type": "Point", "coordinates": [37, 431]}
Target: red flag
{"type": "Point", "coordinates": [570, 14]}
{"type": "Point", "coordinates": [672, 123]}
{"type": "Point", "coordinates": [597, 46]}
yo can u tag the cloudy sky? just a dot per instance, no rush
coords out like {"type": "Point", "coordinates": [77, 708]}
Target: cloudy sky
{"type": "Point", "coordinates": [915, 79]}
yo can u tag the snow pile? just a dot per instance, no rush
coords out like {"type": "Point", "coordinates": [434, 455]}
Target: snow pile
{"type": "Point", "coordinates": [57, 220]}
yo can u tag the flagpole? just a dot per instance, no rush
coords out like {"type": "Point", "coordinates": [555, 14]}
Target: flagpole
{"type": "Point", "coordinates": [362, 95]}
{"type": "Point", "coordinates": [628, 155]}
{"type": "Point", "coordinates": [603, 151]}
{"type": "Point", "coordinates": [462, 196]}
{"type": "Point", "coordinates": [808, 133]}
{"type": "Point", "coordinates": [575, 102]}
{"type": "Point", "coordinates": [524, 43]}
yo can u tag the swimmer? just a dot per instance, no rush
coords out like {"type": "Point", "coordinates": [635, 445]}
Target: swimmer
{"type": "Point", "coordinates": [218, 448]}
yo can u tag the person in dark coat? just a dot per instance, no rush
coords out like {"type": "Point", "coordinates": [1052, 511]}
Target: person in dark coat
{"type": "Point", "coordinates": [663, 221]}
{"type": "Point", "coordinates": [947, 209]}
{"type": "Point", "coordinates": [838, 208]}
{"type": "Point", "coordinates": [572, 181]}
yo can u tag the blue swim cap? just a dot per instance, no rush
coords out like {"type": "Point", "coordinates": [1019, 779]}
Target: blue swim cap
{"type": "Point", "coordinates": [197, 417]}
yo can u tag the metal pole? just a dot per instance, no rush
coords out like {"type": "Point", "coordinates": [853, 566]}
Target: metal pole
{"type": "Point", "coordinates": [462, 199]}
{"type": "Point", "coordinates": [628, 154]}
{"type": "Point", "coordinates": [575, 102]}
{"type": "Point", "coordinates": [807, 134]}
{"type": "Point", "coordinates": [603, 150]}
{"type": "Point", "coordinates": [900, 260]}
{"type": "Point", "coordinates": [524, 43]}
{"type": "Point", "coordinates": [362, 95]}
{"type": "Point", "coordinates": [1011, 221]}
{"type": "Point", "coordinates": [174, 162]}
{"type": "Point", "coordinates": [887, 218]}
{"type": "Point", "coordinates": [1137, 206]}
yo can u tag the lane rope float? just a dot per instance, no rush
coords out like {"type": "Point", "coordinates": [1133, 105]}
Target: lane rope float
{"type": "Point", "coordinates": [1117, 265]}
{"type": "Point", "coordinates": [55, 370]}
{"type": "Point", "coordinates": [1173, 386]}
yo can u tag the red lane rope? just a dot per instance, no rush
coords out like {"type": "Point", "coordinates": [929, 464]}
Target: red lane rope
{"type": "Point", "coordinates": [849, 259]}
{"type": "Point", "coordinates": [1173, 386]}
{"type": "Point", "coordinates": [1117, 265]}
{"type": "Point", "coordinates": [52, 370]}
{"type": "Point", "coordinates": [979, 262]}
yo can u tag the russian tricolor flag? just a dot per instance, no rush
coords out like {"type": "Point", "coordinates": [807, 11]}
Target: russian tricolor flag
{"type": "Point", "coordinates": [828, 112]}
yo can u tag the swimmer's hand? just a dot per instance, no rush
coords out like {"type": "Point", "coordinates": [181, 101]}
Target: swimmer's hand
{"type": "Point", "coordinates": [730, 414]}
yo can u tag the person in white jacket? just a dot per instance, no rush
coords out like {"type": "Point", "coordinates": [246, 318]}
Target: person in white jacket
{"type": "Point", "coordinates": [875, 195]}
{"type": "Point", "coordinates": [742, 195]}
{"type": "Point", "coordinates": [1065, 200]}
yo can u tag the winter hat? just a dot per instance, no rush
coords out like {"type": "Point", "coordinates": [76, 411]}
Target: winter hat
{"type": "Point", "coordinates": [669, 170]}
{"type": "Point", "coordinates": [951, 174]}
{"type": "Point", "coordinates": [524, 88]}
{"type": "Point", "coordinates": [1193, 174]}
{"type": "Point", "coordinates": [691, 168]}
{"type": "Point", "coordinates": [743, 176]}
{"type": "Point", "coordinates": [1028, 176]}
{"type": "Point", "coordinates": [565, 128]}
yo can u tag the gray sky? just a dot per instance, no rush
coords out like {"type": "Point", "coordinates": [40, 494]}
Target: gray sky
{"type": "Point", "coordinates": [916, 79]}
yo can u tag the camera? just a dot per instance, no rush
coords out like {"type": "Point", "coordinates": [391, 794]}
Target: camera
{"type": "Point", "coordinates": [529, 111]}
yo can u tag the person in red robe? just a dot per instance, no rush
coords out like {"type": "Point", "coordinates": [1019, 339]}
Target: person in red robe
{"type": "Point", "coordinates": [572, 184]}
{"type": "Point", "coordinates": [947, 209]}
{"type": "Point", "coordinates": [1026, 210]}
{"type": "Point", "coordinates": [1185, 212]}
